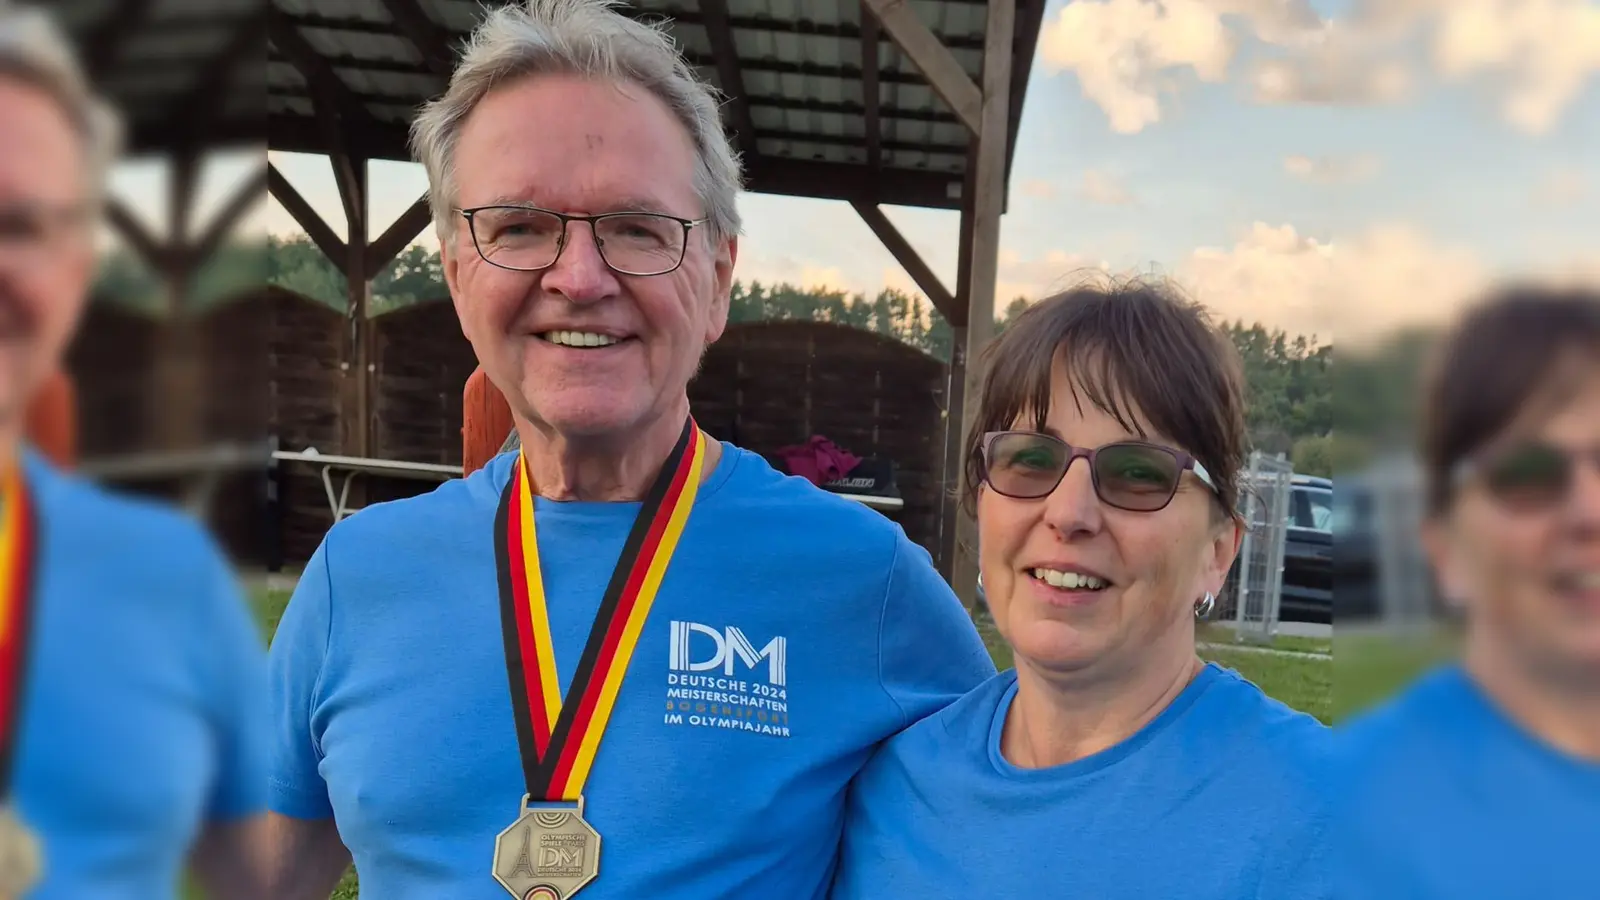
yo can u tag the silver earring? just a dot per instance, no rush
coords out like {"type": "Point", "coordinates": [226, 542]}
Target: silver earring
{"type": "Point", "coordinates": [1203, 608]}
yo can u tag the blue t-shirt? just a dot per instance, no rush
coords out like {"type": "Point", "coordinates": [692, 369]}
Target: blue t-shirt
{"type": "Point", "coordinates": [793, 632]}
{"type": "Point", "coordinates": [1219, 797]}
{"type": "Point", "coordinates": [145, 712]}
{"type": "Point", "coordinates": [1442, 797]}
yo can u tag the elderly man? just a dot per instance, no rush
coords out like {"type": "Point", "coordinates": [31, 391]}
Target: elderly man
{"type": "Point", "coordinates": [624, 661]}
{"type": "Point", "coordinates": [132, 679]}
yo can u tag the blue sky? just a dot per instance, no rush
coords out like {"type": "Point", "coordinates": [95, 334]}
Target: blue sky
{"type": "Point", "coordinates": [1335, 167]}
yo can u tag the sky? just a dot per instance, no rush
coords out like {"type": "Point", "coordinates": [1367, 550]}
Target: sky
{"type": "Point", "coordinates": [1335, 168]}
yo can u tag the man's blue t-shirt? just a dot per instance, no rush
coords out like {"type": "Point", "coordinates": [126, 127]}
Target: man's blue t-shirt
{"type": "Point", "coordinates": [1443, 797]}
{"type": "Point", "coordinates": [1220, 797]}
{"type": "Point", "coordinates": [145, 715]}
{"type": "Point", "coordinates": [794, 631]}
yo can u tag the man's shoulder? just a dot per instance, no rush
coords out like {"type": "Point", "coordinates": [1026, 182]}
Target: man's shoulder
{"type": "Point", "coordinates": [953, 734]}
{"type": "Point", "coordinates": [756, 494]}
{"type": "Point", "coordinates": [422, 521]}
{"type": "Point", "coordinates": [82, 516]}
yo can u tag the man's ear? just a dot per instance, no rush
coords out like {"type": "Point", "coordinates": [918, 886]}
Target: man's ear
{"type": "Point", "coordinates": [722, 288]}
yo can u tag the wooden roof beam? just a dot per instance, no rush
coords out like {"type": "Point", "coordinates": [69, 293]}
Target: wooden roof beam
{"type": "Point", "coordinates": [911, 261]}
{"type": "Point", "coordinates": [307, 218]}
{"type": "Point", "coordinates": [871, 100]}
{"type": "Point", "coordinates": [224, 221]}
{"type": "Point", "coordinates": [726, 53]}
{"type": "Point", "coordinates": [399, 235]}
{"type": "Point", "coordinates": [933, 59]}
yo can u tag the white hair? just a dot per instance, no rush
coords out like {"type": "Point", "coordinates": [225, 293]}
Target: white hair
{"type": "Point", "coordinates": [34, 51]}
{"type": "Point", "coordinates": [588, 38]}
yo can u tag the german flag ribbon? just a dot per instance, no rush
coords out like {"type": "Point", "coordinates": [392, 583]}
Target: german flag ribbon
{"type": "Point", "coordinates": [18, 560]}
{"type": "Point", "coordinates": [559, 737]}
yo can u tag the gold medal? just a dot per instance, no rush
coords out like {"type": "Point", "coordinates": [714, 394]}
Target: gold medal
{"type": "Point", "coordinates": [21, 857]}
{"type": "Point", "coordinates": [548, 853]}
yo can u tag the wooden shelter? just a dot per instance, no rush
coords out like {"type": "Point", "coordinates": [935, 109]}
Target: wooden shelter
{"type": "Point", "coordinates": [872, 102]}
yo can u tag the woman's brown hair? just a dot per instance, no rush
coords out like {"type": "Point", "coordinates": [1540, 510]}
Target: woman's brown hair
{"type": "Point", "coordinates": [1135, 348]}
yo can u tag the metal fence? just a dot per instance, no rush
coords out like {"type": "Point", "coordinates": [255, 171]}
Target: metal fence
{"type": "Point", "coordinates": [1254, 590]}
{"type": "Point", "coordinates": [1405, 587]}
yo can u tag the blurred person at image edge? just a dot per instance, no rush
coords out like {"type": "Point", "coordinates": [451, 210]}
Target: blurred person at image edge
{"type": "Point", "coordinates": [132, 679]}
{"type": "Point", "coordinates": [624, 659]}
{"type": "Point", "coordinates": [1481, 781]}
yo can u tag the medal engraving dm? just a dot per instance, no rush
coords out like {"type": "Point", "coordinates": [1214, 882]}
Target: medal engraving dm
{"type": "Point", "coordinates": [548, 853]}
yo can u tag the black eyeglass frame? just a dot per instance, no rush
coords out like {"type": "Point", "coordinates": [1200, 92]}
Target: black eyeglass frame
{"type": "Point", "coordinates": [1186, 462]}
{"type": "Point", "coordinates": [566, 220]}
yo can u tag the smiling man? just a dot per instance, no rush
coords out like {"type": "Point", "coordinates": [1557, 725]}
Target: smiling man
{"type": "Point", "coordinates": [626, 660]}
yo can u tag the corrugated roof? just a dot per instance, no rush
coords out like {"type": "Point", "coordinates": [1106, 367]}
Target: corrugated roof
{"type": "Point", "coordinates": [800, 63]}
{"type": "Point", "coordinates": [181, 72]}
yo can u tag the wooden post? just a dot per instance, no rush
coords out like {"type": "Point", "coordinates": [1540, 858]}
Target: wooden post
{"type": "Point", "coordinates": [988, 201]}
{"type": "Point", "coordinates": [356, 426]}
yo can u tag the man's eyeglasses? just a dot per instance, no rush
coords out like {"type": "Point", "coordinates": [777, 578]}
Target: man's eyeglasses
{"type": "Point", "coordinates": [528, 239]}
{"type": "Point", "coordinates": [1132, 475]}
{"type": "Point", "coordinates": [1530, 476]}
{"type": "Point", "coordinates": [32, 227]}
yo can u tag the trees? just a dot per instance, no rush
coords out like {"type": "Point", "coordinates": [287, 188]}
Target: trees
{"type": "Point", "coordinates": [1291, 378]}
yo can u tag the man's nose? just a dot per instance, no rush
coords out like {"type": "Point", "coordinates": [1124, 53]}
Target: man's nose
{"type": "Point", "coordinates": [580, 273]}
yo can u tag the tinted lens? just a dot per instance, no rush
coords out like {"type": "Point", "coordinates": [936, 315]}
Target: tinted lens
{"type": "Point", "coordinates": [1529, 475]}
{"type": "Point", "coordinates": [1026, 465]}
{"type": "Point", "coordinates": [1136, 477]}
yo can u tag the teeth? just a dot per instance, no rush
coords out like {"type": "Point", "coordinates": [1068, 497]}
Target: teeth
{"type": "Point", "coordinates": [579, 339]}
{"type": "Point", "coordinates": [1072, 581]}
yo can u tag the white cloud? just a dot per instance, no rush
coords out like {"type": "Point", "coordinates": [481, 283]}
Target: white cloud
{"type": "Point", "coordinates": [1541, 51]}
{"type": "Point", "coordinates": [1038, 276]}
{"type": "Point", "coordinates": [1126, 53]}
{"type": "Point", "coordinates": [1333, 170]}
{"type": "Point", "coordinates": [1105, 189]}
{"type": "Point", "coordinates": [1347, 290]}
{"type": "Point", "coordinates": [1562, 187]}
{"type": "Point", "coordinates": [1334, 64]}
{"type": "Point", "coordinates": [1040, 188]}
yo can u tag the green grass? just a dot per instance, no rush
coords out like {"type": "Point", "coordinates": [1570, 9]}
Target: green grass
{"type": "Point", "coordinates": [1368, 668]}
{"type": "Point", "coordinates": [1214, 633]}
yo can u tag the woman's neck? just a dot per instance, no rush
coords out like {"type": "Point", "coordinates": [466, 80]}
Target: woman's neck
{"type": "Point", "coordinates": [1560, 708]}
{"type": "Point", "coordinates": [1055, 719]}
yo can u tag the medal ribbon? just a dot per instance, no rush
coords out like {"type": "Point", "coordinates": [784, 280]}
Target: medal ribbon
{"type": "Point", "coordinates": [559, 738]}
{"type": "Point", "coordinates": [18, 542]}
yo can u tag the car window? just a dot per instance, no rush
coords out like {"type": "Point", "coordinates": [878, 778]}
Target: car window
{"type": "Point", "coordinates": [1313, 509]}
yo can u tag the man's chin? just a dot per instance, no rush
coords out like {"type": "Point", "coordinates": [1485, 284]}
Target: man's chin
{"type": "Point", "coordinates": [590, 414]}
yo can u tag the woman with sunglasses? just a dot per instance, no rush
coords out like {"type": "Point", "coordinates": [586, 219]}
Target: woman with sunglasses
{"type": "Point", "coordinates": [1111, 762]}
{"type": "Point", "coordinates": [1481, 781]}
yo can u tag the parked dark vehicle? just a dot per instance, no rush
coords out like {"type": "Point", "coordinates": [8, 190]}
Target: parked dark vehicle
{"type": "Point", "coordinates": [1355, 551]}
{"type": "Point", "coordinates": [1358, 583]}
{"type": "Point", "coordinates": [1308, 553]}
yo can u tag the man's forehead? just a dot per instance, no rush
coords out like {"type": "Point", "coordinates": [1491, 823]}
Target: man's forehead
{"type": "Point", "coordinates": [526, 143]}
{"type": "Point", "coordinates": [40, 151]}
